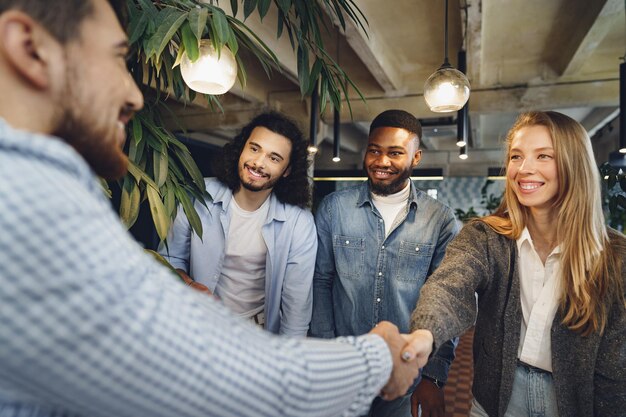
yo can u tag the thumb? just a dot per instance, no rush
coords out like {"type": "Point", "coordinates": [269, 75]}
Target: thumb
{"type": "Point", "coordinates": [418, 344]}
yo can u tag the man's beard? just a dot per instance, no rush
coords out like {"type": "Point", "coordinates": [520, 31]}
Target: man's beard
{"type": "Point", "coordinates": [78, 130]}
{"type": "Point", "coordinates": [384, 189]}
{"type": "Point", "coordinates": [107, 161]}
{"type": "Point", "coordinates": [256, 188]}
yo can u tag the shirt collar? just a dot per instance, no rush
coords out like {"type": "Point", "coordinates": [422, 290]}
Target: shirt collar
{"type": "Point", "coordinates": [365, 195]}
{"type": "Point", "coordinates": [525, 237]}
{"type": "Point", "coordinates": [223, 195]}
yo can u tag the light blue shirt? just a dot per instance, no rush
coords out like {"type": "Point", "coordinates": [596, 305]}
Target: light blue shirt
{"type": "Point", "coordinates": [92, 326]}
{"type": "Point", "coordinates": [363, 276]}
{"type": "Point", "coordinates": [291, 240]}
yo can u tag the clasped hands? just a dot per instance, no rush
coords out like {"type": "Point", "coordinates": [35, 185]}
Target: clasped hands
{"type": "Point", "coordinates": [409, 352]}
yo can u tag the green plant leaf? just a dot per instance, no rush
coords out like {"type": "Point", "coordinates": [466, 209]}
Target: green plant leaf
{"type": "Point", "coordinates": [137, 28]}
{"type": "Point", "coordinates": [190, 211]}
{"type": "Point", "coordinates": [159, 215]}
{"type": "Point", "coordinates": [220, 24]}
{"type": "Point", "coordinates": [170, 21]}
{"type": "Point", "coordinates": [622, 183]}
{"type": "Point", "coordinates": [190, 42]}
{"type": "Point", "coordinates": [179, 56]}
{"type": "Point", "coordinates": [612, 181]}
{"type": "Point", "coordinates": [140, 175]}
{"type": "Point", "coordinates": [303, 69]}
{"type": "Point", "coordinates": [248, 8]}
{"type": "Point", "coordinates": [159, 161]}
{"type": "Point", "coordinates": [197, 20]}
{"type": "Point", "coordinates": [169, 199]}
{"type": "Point", "coordinates": [234, 5]}
{"type": "Point", "coordinates": [284, 6]}
{"type": "Point", "coordinates": [129, 202]}
{"type": "Point", "coordinates": [621, 201]}
{"type": "Point", "coordinates": [190, 165]}
{"type": "Point", "coordinates": [264, 6]}
{"type": "Point", "coordinates": [148, 7]}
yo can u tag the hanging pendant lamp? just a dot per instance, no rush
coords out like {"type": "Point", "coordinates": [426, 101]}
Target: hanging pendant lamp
{"type": "Point", "coordinates": [448, 89]}
{"type": "Point", "coordinates": [211, 73]}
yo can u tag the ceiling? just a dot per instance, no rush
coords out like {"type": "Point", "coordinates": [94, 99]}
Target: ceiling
{"type": "Point", "coordinates": [521, 55]}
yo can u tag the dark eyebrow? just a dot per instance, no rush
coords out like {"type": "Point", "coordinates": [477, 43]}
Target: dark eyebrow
{"type": "Point", "coordinates": [260, 147]}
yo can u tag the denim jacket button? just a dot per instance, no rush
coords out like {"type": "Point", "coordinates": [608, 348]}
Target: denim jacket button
{"type": "Point", "coordinates": [383, 247]}
{"type": "Point", "coordinates": [378, 300]}
{"type": "Point", "coordinates": [347, 242]}
{"type": "Point", "coordinates": [417, 249]}
{"type": "Point", "coordinates": [380, 274]}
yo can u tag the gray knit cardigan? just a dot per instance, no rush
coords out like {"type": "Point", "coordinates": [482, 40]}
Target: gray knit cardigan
{"type": "Point", "coordinates": [589, 372]}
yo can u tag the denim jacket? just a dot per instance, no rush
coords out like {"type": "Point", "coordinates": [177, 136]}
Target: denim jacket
{"type": "Point", "coordinates": [289, 234]}
{"type": "Point", "coordinates": [361, 277]}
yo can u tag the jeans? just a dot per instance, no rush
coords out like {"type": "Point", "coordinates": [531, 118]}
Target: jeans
{"type": "Point", "coordinates": [400, 407]}
{"type": "Point", "coordinates": [533, 395]}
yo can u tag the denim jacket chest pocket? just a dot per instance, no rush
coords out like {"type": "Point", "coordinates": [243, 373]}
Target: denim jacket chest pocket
{"type": "Point", "coordinates": [413, 261]}
{"type": "Point", "coordinates": [349, 254]}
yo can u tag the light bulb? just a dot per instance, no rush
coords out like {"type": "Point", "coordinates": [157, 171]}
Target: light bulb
{"type": "Point", "coordinates": [210, 74]}
{"type": "Point", "coordinates": [447, 90]}
{"type": "Point", "coordinates": [312, 149]}
{"type": "Point", "coordinates": [463, 156]}
{"type": "Point", "coordinates": [336, 159]}
{"type": "Point", "coordinates": [622, 150]}
{"type": "Point", "coordinates": [460, 143]}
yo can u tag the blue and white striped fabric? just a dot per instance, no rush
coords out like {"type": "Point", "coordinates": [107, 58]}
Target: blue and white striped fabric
{"type": "Point", "coordinates": [92, 326]}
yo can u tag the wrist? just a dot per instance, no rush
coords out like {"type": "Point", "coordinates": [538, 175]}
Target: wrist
{"type": "Point", "coordinates": [438, 383]}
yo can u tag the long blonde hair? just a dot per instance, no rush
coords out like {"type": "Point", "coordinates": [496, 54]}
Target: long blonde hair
{"type": "Point", "coordinates": [590, 271]}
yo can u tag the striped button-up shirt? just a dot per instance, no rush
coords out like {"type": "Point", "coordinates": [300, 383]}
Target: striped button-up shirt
{"type": "Point", "coordinates": [90, 325]}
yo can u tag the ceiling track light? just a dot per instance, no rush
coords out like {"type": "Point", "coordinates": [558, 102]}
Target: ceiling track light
{"type": "Point", "coordinates": [462, 118]}
{"type": "Point", "coordinates": [314, 119]}
{"type": "Point", "coordinates": [463, 152]}
{"type": "Point", "coordinates": [622, 106]}
{"type": "Point", "coordinates": [448, 89]}
{"type": "Point", "coordinates": [336, 135]}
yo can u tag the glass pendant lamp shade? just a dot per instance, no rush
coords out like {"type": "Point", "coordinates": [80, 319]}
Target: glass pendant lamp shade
{"type": "Point", "coordinates": [447, 90]}
{"type": "Point", "coordinates": [210, 74]}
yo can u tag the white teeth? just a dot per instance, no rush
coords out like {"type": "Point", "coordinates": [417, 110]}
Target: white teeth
{"type": "Point", "coordinates": [530, 186]}
{"type": "Point", "coordinates": [255, 173]}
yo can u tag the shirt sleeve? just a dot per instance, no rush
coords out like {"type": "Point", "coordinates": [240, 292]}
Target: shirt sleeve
{"type": "Point", "coordinates": [323, 319]}
{"type": "Point", "coordinates": [447, 304]}
{"type": "Point", "coordinates": [439, 364]}
{"type": "Point", "coordinates": [297, 296]}
{"type": "Point", "coordinates": [91, 325]}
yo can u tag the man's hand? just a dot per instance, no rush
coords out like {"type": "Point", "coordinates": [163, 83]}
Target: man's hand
{"type": "Point", "coordinates": [193, 284]}
{"type": "Point", "coordinates": [419, 346]}
{"type": "Point", "coordinates": [430, 397]}
{"type": "Point", "coordinates": [404, 371]}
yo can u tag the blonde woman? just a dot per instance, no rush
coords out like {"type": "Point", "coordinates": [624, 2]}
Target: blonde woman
{"type": "Point", "coordinates": [550, 335]}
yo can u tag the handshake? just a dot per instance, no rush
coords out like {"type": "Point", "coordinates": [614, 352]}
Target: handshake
{"type": "Point", "coordinates": [409, 352]}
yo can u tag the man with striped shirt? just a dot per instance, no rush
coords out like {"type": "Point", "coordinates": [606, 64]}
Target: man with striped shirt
{"type": "Point", "coordinates": [92, 326]}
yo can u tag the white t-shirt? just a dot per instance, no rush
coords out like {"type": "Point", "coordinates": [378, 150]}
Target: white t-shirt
{"type": "Point", "coordinates": [241, 285]}
{"type": "Point", "coordinates": [539, 290]}
{"type": "Point", "coordinates": [390, 205]}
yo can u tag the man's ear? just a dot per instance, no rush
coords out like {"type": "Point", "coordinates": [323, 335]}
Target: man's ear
{"type": "Point", "coordinates": [287, 171]}
{"type": "Point", "coordinates": [27, 47]}
{"type": "Point", "coordinates": [417, 157]}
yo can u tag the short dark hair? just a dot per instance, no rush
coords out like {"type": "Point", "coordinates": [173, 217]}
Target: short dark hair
{"type": "Point", "coordinates": [293, 189]}
{"type": "Point", "coordinates": [63, 18]}
{"type": "Point", "coordinates": [400, 119]}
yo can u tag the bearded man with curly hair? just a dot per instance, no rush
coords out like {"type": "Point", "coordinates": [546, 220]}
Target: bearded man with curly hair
{"type": "Point", "coordinates": [257, 253]}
